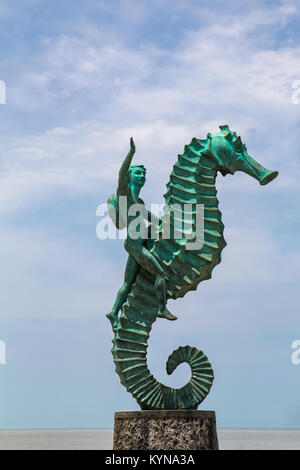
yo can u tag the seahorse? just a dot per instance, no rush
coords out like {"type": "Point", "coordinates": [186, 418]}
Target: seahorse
{"type": "Point", "coordinates": [192, 182]}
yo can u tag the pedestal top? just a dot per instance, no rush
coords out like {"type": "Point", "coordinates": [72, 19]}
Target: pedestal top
{"type": "Point", "coordinates": [165, 430]}
{"type": "Point", "coordinates": [144, 414]}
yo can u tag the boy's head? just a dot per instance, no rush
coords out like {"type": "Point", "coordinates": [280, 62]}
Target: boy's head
{"type": "Point", "coordinates": [137, 174]}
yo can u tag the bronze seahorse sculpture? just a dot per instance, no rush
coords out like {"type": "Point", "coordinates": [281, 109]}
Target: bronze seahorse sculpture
{"type": "Point", "coordinates": [180, 269]}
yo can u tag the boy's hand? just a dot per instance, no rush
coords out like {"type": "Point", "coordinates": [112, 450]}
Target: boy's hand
{"type": "Point", "coordinates": [132, 146]}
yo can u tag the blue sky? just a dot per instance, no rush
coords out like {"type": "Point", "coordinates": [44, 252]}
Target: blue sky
{"type": "Point", "coordinates": [82, 77]}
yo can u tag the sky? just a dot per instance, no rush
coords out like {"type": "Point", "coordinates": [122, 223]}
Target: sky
{"type": "Point", "coordinates": [81, 79]}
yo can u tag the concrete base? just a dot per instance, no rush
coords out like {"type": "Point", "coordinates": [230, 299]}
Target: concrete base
{"type": "Point", "coordinates": [165, 430]}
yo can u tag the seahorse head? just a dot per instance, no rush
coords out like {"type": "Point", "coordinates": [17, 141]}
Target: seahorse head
{"type": "Point", "coordinates": [230, 155]}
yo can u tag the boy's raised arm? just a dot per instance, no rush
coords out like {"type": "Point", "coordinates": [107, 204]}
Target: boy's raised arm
{"type": "Point", "coordinates": [122, 185]}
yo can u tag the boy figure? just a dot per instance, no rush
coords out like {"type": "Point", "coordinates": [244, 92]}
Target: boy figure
{"type": "Point", "coordinates": [131, 180]}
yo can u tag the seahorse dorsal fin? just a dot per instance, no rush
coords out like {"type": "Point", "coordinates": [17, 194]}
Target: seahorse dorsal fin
{"type": "Point", "coordinates": [224, 128]}
{"type": "Point", "coordinates": [237, 144]}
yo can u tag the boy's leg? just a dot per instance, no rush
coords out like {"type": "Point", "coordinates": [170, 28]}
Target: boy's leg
{"type": "Point", "coordinates": [148, 262]}
{"type": "Point", "coordinates": [131, 271]}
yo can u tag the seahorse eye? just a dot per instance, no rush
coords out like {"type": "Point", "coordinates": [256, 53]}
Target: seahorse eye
{"type": "Point", "coordinates": [238, 145]}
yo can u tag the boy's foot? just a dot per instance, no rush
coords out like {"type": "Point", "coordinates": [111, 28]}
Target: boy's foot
{"type": "Point", "coordinates": [166, 314]}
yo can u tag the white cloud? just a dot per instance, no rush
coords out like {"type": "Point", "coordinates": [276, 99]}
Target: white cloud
{"type": "Point", "coordinates": [44, 275]}
{"type": "Point", "coordinates": [163, 98]}
{"type": "Point", "coordinates": [252, 255]}
{"type": "Point", "coordinates": [198, 86]}
{"type": "Point", "coordinates": [81, 158]}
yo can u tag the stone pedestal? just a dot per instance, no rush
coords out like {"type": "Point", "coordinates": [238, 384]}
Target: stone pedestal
{"type": "Point", "coordinates": [165, 430]}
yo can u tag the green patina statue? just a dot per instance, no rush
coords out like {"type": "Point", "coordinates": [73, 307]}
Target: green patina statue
{"type": "Point", "coordinates": [131, 180]}
{"type": "Point", "coordinates": [166, 267]}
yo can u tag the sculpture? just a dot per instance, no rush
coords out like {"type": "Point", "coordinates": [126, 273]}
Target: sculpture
{"type": "Point", "coordinates": [163, 268]}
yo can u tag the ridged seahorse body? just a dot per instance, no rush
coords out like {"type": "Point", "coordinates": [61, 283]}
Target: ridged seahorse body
{"type": "Point", "coordinates": [192, 181]}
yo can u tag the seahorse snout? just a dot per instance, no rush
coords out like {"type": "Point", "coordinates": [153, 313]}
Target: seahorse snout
{"type": "Point", "coordinates": [250, 166]}
{"type": "Point", "coordinates": [268, 176]}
